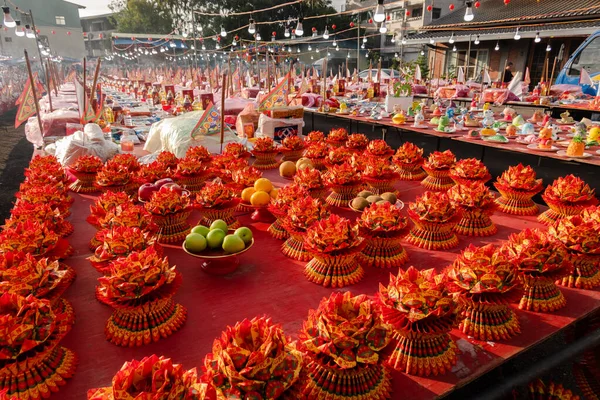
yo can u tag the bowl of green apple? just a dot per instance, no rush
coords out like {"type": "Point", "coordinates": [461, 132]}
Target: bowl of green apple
{"type": "Point", "coordinates": [218, 246]}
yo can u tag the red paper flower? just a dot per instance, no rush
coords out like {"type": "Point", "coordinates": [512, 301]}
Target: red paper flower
{"type": "Point", "coordinates": [287, 195]}
{"type": "Point", "coordinates": [167, 202]}
{"type": "Point", "coordinates": [569, 189]}
{"type": "Point", "coordinates": [342, 174]}
{"type": "Point", "coordinates": [39, 212]}
{"type": "Point", "coordinates": [214, 194]}
{"type": "Point", "coordinates": [305, 212]}
{"type": "Point", "coordinates": [128, 215]}
{"type": "Point", "coordinates": [536, 252]}
{"type": "Point", "coordinates": [316, 150]}
{"type": "Point", "coordinates": [315, 137]}
{"type": "Point", "coordinates": [292, 143]}
{"type": "Point", "coordinates": [441, 160]}
{"type": "Point", "coordinates": [154, 171]}
{"type": "Point", "coordinates": [331, 234]}
{"type": "Point", "coordinates": [339, 155]}
{"type": "Point", "coordinates": [378, 147]}
{"type": "Point", "coordinates": [520, 177]}
{"type": "Point", "coordinates": [577, 234]}
{"type": "Point", "coordinates": [190, 166]}
{"type": "Point", "coordinates": [236, 150]}
{"type": "Point", "coordinates": [408, 153]}
{"type": "Point", "coordinates": [357, 141]}
{"type": "Point", "coordinates": [29, 237]}
{"type": "Point", "coordinates": [383, 217]}
{"type": "Point", "coordinates": [338, 135]}
{"type": "Point", "coordinates": [198, 153]}
{"type": "Point", "coordinates": [128, 161]}
{"type": "Point", "coordinates": [107, 201]}
{"type": "Point", "coordinates": [264, 144]}
{"type": "Point", "coordinates": [433, 207]}
{"type": "Point", "coordinates": [168, 159]}
{"type": "Point", "coordinates": [376, 167]}
{"type": "Point", "coordinates": [113, 174]}
{"type": "Point", "coordinates": [88, 164]}
{"type": "Point", "coordinates": [308, 178]}
{"type": "Point", "coordinates": [246, 176]}
{"type": "Point", "coordinates": [120, 241]}
{"type": "Point", "coordinates": [470, 168]}
{"type": "Point", "coordinates": [471, 195]}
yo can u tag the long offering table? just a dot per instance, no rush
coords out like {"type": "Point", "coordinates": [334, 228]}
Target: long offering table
{"type": "Point", "coordinates": [268, 283]}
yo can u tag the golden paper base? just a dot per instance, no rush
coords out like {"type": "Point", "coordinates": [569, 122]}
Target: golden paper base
{"type": "Point", "coordinates": [371, 382]}
{"type": "Point", "coordinates": [318, 163]}
{"type": "Point", "coordinates": [192, 183]}
{"type": "Point", "coordinates": [42, 378]}
{"type": "Point", "coordinates": [411, 172]}
{"type": "Point", "coordinates": [173, 228]}
{"type": "Point", "coordinates": [586, 272]}
{"type": "Point", "coordinates": [265, 160]}
{"type": "Point", "coordinates": [278, 231]}
{"type": "Point", "coordinates": [335, 270]}
{"type": "Point", "coordinates": [433, 236]}
{"type": "Point", "coordinates": [437, 180]}
{"type": "Point", "coordinates": [383, 185]}
{"type": "Point", "coordinates": [342, 194]}
{"type": "Point", "coordinates": [84, 183]}
{"type": "Point", "coordinates": [489, 322]}
{"type": "Point", "coordinates": [318, 193]}
{"type": "Point", "coordinates": [292, 155]}
{"type": "Point", "coordinates": [293, 247]}
{"type": "Point", "coordinates": [383, 252]}
{"type": "Point", "coordinates": [517, 202]}
{"type": "Point", "coordinates": [423, 354]}
{"type": "Point", "coordinates": [477, 224]}
{"type": "Point", "coordinates": [541, 295]}
{"type": "Point", "coordinates": [144, 324]}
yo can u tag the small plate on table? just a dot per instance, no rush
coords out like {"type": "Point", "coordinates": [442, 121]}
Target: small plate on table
{"type": "Point", "coordinates": [563, 153]}
{"type": "Point", "coordinates": [399, 205]}
{"type": "Point", "coordinates": [534, 146]}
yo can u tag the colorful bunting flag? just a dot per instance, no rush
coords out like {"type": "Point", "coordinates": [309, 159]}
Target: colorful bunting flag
{"type": "Point", "coordinates": [26, 106]}
{"type": "Point", "coordinates": [208, 124]}
{"type": "Point", "coordinates": [278, 97]}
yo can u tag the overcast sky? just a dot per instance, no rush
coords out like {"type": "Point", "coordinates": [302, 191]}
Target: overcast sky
{"type": "Point", "coordinates": [92, 7]}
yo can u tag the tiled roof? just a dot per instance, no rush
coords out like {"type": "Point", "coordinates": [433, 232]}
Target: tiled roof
{"type": "Point", "coordinates": [494, 12]}
{"type": "Point", "coordinates": [498, 31]}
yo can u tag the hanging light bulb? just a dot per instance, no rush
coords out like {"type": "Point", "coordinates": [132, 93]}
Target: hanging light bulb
{"type": "Point", "coordinates": [317, 50]}
{"type": "Point", "coordinates": [19, 31]}
{"type": "Point", "coordinates": [393, 38]}
{"type": "Point", "coordinates": [477, 40]}
{"type": "Point", "coordinates": [314, 34]}
{"type": "Point", "coordinates": [286, 33]}
{"type": "Point", "coordinates": [537, 38]}
{"type": "Point", "coordinates": [469, 12]}
{"type": "Point", "coordinates": [326, 34]}
{"type": "Point", "coordinates": [431, 41]}
{"type": "Point", "coordinates": [251, 27]}
{"type": "Point", "coordinates": [403, 39]}
{"type": "Point", "coordinates": [334, 43]}
{"type": "Point", "coordinates": [258, 36]}
{"type": "Point", "coordinates": [9, 21]}
{"type": "Point", "coordinates": [383, 28]}
{"type": "Point", "coordinates": [364, 39]}
{"type": "Point", "coordinates": [362, 46]}
{"type": "Point", "coordinates": [454, 48]}
{"type": "Point", "coordinates": [312, 58]}
{"type": "Point", "coordinates": [298, 51]}
{"type": "Point", "coordinates": [172, 44]}
{"type": "Point", "coordinates": [451, 40]}
{"type": "Point", "coordinates": [203, 46]}
{"type": "Point", "coordinates": [328, 54]}
{"type": "Point", "coordinates": [244, 46]}
{"type": "Point", "coordinates": [223, 31]}
{"type": "Point", "coordinates": [309, 47]}
{"type": "Point", "coordinates": [379, 14]}
{"type": "Point", "coordinates": [299, 28]}
{"type": "Point", "coordinates": [217, 46]}
{"type": "Point", "coordinates": [517, 34]}
{"type": "Point", "coordinates": [395, 55]}
{"type": "Point", "coordinates": [422, 52]}
{"type": "Point", "coordinates": [337, 48]}
{"type": "Point", "coordinates": [497, 46]}
{"type": "Point", "coordinates": [234, 42]}
{"type": "Point", "coordinates": [29, 32]}
{"type": "Point", "coordinates": [348, 55]}
{"type": "Point", "coordinates": [192, 47]}
{"type": "Point", "coordinates": [293, 36]}
{"type": "Point", "coordinates": [199, 28]}
{"type": "Point", "coordinates": [185, 33]}
{"type": "Point", "coordinates": [548, 48]}
{"type": "Point", "coordinates": [289, 49]}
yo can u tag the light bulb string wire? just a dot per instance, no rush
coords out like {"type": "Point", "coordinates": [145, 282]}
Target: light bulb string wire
{"type": "Point", "coordinates": [233, 14]}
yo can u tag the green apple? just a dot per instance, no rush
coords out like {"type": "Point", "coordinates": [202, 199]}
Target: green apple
{"type": "Point", "coordinates": [219, 224]}
{"type": "Point", "coordinates": [245, 234]}
{"type": "Point", "coordinates": [233, 244]}
{"type": "Point", "coordinates": [202, 230]}
{"type": "Point", "coordinates": [195, 242]}
{"type": "Point", "coordinates": [215, 238]}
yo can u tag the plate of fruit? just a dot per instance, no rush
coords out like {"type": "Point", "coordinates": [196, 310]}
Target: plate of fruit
{"type": "Point", "coordinates": [365, 198]}
{"type": "Point", "coordinates": [216, 241]}
{"type": "Point", "coordinates": [146, 191]}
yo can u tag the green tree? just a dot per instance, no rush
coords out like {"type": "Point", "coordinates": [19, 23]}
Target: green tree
{"type": "Point", "coordinates": [141, 16]}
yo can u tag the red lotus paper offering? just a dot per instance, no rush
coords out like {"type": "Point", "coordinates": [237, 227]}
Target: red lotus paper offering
{"type": "Point", "coordinates": [518, 185]}
{"type": "Point", "coordinates": [580, 236]}
{"type": "Point", "coordinates": [252, 359]}
{"type": "Point", "coordinates": [383, 226]}
{"type": "Point", "coordinates": [334, 244]}
{"type": "Point", "coordinates": [434, 218]}
{"type": "Point", "coordinates": [538, 390]}
{"type": "Point", "coordinates": [310, 179]}
{"type": "Point", "coordinates": [198, 153]}
{"type": "Point", "coordinates": [152, 378]}
{"type": "Point", "coordinates": [85, 169]}
{"type": "Point", "coordinates": [168, 159]}
{"type": "Point", "coordinates": [342, 339]}
{"type": "Point", "coordinates": [245, 177]}
{"type": "Point", "coordinates": [223, 165]}
{"type": "Point", "coordinates": [566, 196]}
{"type": "Point", "coordinates": [292, 148]}
{"type": "Point", "coordinates": [357, 142]}
{"type": "Point", "coordinates": [139, 287]}
{"type": "Point", "coordinates": [150, 173]}
{"type": "Point", "coordinates": [41, 173]}
{"type": "Point", "coordinates": [191, 174]}
{"type": "Point", "coordinates": [421, 312]}
{"type": "Point", "coordinates": [338, 156]}
{"type": "Point", "coordinates": [438, 167]}
{"type": "Point", "coordinates": [130, 215]}
{"type": "Point", "coordinates": [487, 281]}
{"type": "Point", "coordinates": [42, 213]}
{"type": "Point", "coordinates": [23, 274]}
{"type": "Point", "coordinates": [380, 174]}
{"type": "Point", "coordinates": [119, 241]}
{"type": "Point", "coordinates": [236, 150]}
{"type": "Point", "coordinates": [170, 211]}
{"type": "Point", "coordinates": [115, 177]}
{"type": "Point", "coordinates": [468, 170]}
{"type": "Point", "coordinates": [217, 201]}
{"type": "Point", "coordinates": [315, 137]}
{"type": "Point", "coordinates": [265, 153]}
{"type": "Point", "coordinates": [30, 332]}
{"type": "Point", "coordinates": [49, 194]}
{"type": "Point", "coordinates": [476, 203]}
{"type": "Point", "coordinates": [409, 159]}
{"type": "Point", "coordinates": [337, 137]}
{"type": "Point", "coordinates": [104, 203]}
{"type": "Point", "coordinates": [344, 182]}
{"type": "Point", "coordinates": [541, 260]}
{"type": "Point", "coordinates": [31, 237]}
{"type": "Point", "coordinates": [279, 207]}
{"type": "Point", "coordinates": [302, 213]}
{"type": "Point", "coordinates": [128, 161]}
{"type": "Point", "coordinates": [317, 152]}
{"type": "Point", "coordinates": [379, 148]}
{"type": "Point", "coordinates": [40, 162]}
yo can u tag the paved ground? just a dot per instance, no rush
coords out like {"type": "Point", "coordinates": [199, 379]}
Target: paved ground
{"type": "Point", "coordinates": [16, 151]}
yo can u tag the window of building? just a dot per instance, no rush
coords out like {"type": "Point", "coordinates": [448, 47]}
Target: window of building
{"type": "Point", "coordinates": [7, 39]}
{"type": "Point", "coordinates": [477, 61]}
{"type": "Point", "coordinates": [436, 13]}
{"type": "Point", "coordinates": [416, 12]}
{"type": "Point", "coordinates": [588, 58]}
{"type": "Point", "coordinates": [97, 26]}
{"type": "Point", "coordinates": [397, 15]}
{"type": "Point", "coordinates": [60, 20]}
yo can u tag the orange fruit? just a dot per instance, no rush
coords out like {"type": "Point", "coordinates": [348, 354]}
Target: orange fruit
{"type": "Point", "coordinates": [247, 194]}
{"type": "Point", "coordinates": [263, 184]}
{"type": "Point", "coordinates": [260, 198]}
{"type": "Point", "coordinates": [273, 193]}
{"type": "Point", "coordinates": [287, 169]}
